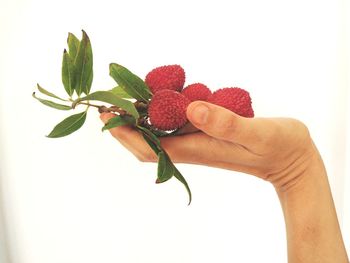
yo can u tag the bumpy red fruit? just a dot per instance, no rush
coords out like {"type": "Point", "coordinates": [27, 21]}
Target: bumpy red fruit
{"type": "Point", "coordinates": [167, 110]}
{"type": "Point", "coordinates": [235, 99]}
{"type": "Point", "coordinates": [170, 77]}
{"type": "Point", "coordinates": [197, 91]}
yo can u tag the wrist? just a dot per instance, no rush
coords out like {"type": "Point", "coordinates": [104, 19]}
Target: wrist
{"type": "Point", "coordinates": [313, 232]}
{"type": "Point", "coordinates": [303, 172]}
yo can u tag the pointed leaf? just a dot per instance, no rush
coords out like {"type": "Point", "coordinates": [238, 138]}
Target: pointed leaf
{"type": "Point", "coordinates": [73, 45]}
{"type": "Point", "coordinates": [89, 82]}
{"type": "Point", "coordinates": [68, 73]}
{"type": "Point", "coordinates": [150, 142]}
{"type": "Point", "coordinates": [179, 176]}
{"type": "Point", "coordinates": [165, 168]}
{"type": "Point", "coordinates": [52, 104]}
{"type": "Point", "coordinates": [154, 143]}
{"type": "Point", "coordinates": [129, 82]}
{"type": "Point", "coordinates": [118, 91]}
{"type": "Point", "coordinates": [119, 121]}
{"type": "Point", "coordinates": [83, 66]}
{"type": "Point", "coordinates": [68, 125]}
{"type": "Point", "coordinates": [44, 91]}
{"type": "Point", "coordinates": [109, 97]}
{"type": "Point", "coordinates": [150, 135]}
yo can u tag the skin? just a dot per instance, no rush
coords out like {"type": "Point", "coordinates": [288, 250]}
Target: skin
{"type": "Point", "coordinates": [278, 150]}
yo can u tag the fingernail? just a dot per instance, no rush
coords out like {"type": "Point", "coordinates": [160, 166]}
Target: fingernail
{"type": "Point", "coordinates": [105, 116]}
{"type": "Point", "coordinates": [200, 114]}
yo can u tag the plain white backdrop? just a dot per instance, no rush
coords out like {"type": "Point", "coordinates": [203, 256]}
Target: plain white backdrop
{"type": "Point", "coordinates": [84, 198]}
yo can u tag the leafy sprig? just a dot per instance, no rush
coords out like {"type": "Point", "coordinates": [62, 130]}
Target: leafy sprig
{"type": "Point", "coordinates": [129, 101]}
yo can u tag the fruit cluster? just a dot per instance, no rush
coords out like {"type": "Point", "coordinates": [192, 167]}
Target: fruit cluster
{"type": "Point", "coordinates": [155, 106]}
{"type": "Point", "coordinates": [167, 108]}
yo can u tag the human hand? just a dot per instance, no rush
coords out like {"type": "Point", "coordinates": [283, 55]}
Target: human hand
{"type": "Point", "coordinates": [279, 150]}
{"type": "Point", "coordinates": [275, 149]}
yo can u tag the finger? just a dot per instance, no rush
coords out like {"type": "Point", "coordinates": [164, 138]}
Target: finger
{"type": "Point", "coordinates": [200, 148]}
{"type": "Point", "coordinates": [105, 116]}
{"type": "Point", "coordinates": [131, 139]}
{"type": "Point", "coordinates": [224, 124]}
{"type": "Point", "coordinates": [197, 148]}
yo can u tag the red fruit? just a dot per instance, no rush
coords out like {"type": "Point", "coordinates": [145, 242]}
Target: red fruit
{"type": "Point", "coordinates": [170, 77]}
{"type": "Point", "coordinates": [233, 99]}
{"type": "Point", "coordinates": [197, 91]}
{"type": "Point", "coordinates": [167, 110]}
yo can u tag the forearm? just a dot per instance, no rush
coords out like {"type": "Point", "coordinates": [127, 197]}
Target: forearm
{"type": "Point", "coordinates": [313, 232]}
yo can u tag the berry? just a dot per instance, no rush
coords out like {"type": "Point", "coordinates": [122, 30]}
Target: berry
{"type": "Point", "coordinates": [233, 99]}
{"type": "Point", "coordinates": [170, 77]}
{"type": "Point", "coordinates": [167, 110]}
{"type": "Point", "coordinates": [197, 91]}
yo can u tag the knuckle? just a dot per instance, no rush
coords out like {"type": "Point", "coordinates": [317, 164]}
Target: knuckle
{"type": "Point", "coordinates": [287, 131]}
{"type": "Point", "coordinates": [303, 128]}
{"type": "Point", "coordinates": [304, 134]}
{"type": "Point", "coordinates": [226, 126]}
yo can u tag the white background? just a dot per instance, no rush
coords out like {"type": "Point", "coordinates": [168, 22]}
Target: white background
{"type": "Point", "coordinates": [84, 198]}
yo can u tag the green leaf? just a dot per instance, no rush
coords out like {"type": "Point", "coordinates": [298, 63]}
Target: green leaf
{"type": "Point", "coordinates": [83, 66]}
{"type": "Point", "coordinates": [150, 134]}
{"type": "Point", "coordinates": [151, 139]}
{"type": "Point", "coordinates": [165, 168]}
{"type": "Point", "coordinates": [73, 45]}
{"type": "Point", "coordinates": [89, 81]}
{"type": "Point", "coordinates": [118, 91]}
{"type": "Point", "coordinates": [150, 142]}
{"type": "Point", "coordinates": [68, 125]}
{"type": "Point", "coordinates": [52, 104]}
{"type": "Point", "coordinates": [68, 73]}
{"type": "Point", "coordinates": [109, 97]}
{"type": "Point", "coordinates": [44, 91]}
{"type": "Point", "coordinates": [129, 82]}
{"type": "Point", "coordinates": [154, 143]}
{"type": "Point", "coordinates": [179, 176]}
{"type": "Point", "coordinates": [160, 133]}
{"type": "Point", "coordinates": [119, 121]}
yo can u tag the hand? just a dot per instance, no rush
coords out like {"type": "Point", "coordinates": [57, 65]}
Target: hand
{"type": "Point", "coordinates": [274, 149]}
{"type": "Point", "coordinates": [279, 150]}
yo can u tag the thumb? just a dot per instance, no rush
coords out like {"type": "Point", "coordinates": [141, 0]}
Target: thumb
{"type": "Point", "coordinates": [220, 123]}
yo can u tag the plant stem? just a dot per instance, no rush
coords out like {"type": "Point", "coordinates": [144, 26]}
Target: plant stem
{"type": "Point", "coordinates": [102, 108]}
{"type": "Point", "coordinates": [89, 104]}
